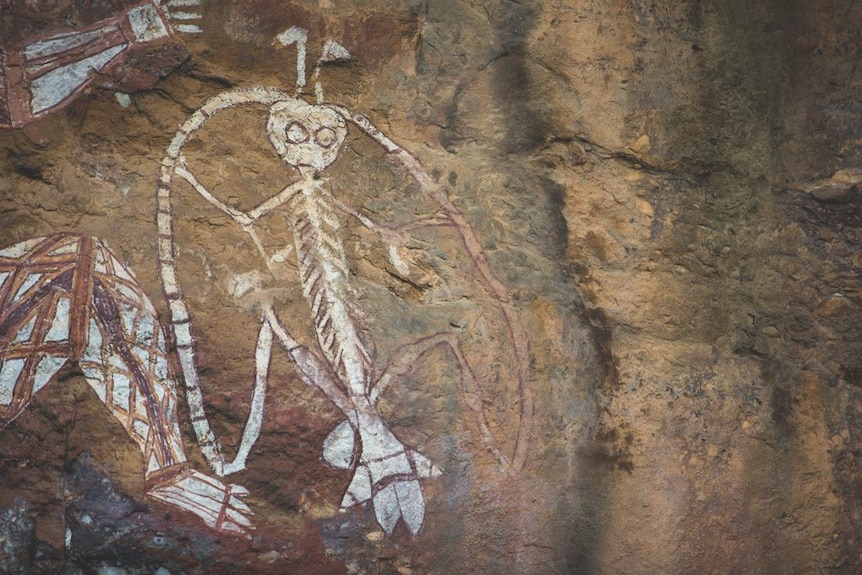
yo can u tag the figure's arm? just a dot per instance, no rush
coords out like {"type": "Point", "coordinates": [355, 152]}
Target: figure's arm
{"type": "Point", "coordinates": [283, 197]}
{"type": "Point", "coordinates": [489, 281]}
{"type": "Point", "coordinates": [395, 237]}
{"type": "Point", "coordinates": [245, 220]}
{"type": "Point", "coordinates": [239, 217]}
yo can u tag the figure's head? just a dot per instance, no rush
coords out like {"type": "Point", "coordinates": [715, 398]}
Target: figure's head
{"type": "Point", "coordinates": [306, 136]}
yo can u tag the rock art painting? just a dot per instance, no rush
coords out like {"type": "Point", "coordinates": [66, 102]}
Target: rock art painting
{"type": "Point", "coordinates": [67, 298]}
{"type": "Point", "coordinates": [48, 72]}
{"type": "Point", "coordinates": [341, 362]}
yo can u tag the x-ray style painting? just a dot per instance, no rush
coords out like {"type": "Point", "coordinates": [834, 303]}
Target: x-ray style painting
{"type": "Point", "coordinates": [340, 358]}
{"type": "Point", "coordinates": [67, 298]}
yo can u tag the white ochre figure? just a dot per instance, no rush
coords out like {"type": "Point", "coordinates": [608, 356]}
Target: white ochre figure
{"type": "Point", "coordinates": [66, 298]}
{"type": "Point", "coordinates": [309, 137]}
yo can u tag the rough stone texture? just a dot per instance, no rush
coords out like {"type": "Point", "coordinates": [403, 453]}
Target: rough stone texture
{"type": "Point", "coordinates": [668, 189]}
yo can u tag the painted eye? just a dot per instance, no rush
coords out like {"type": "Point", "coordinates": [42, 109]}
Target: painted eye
{"type": "Point", "coordinates": [296, 133]}
{"type": "Point", "coordinates": [325, 137]}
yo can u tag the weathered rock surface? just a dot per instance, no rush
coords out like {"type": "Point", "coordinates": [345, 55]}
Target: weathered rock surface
{"type": "Point", "coordinates": [670, 194]}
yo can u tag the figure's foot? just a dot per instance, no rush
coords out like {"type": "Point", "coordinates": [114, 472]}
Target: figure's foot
{"type": "Point", "coordinates": [387, 473]}
{"type": "Point", "coordinates": [217, 503]}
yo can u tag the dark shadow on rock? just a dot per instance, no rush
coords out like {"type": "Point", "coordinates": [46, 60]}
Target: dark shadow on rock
{"type": "Point", "coordinates": [17, 539]}
{"type": "Point", "coordinates": [512, 23]}
{"type": "Point", "coordinates": [108, 528]}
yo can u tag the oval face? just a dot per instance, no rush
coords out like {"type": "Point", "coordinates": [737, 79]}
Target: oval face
{"type": "Point", "coordinates": [305, 135]}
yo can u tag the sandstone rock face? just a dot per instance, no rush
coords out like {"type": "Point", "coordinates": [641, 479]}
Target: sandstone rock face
{"type": "Point", "coordinates": [536, 287]}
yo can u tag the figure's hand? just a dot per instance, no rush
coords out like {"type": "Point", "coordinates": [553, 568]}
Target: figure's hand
{"type": "Point", "coordinates": [397, 255]}
{"type": "Point", "coordinates": [217, 503]}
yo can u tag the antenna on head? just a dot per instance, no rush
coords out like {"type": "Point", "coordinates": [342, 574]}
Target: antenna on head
{"type": "Point", "coordinates": [332, 52]}
{"type": "Point", "coordinates": [298, 36]}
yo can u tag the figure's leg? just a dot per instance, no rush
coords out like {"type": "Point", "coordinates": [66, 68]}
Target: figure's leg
{"type": "Point", "coordinates": [386, 471]}
{"type": "Point", "coordinates": [125, 363]}
{"type": "Point", "coordinates": [262, 354]}
{"type": "Point", "coordinates": [312, 370]}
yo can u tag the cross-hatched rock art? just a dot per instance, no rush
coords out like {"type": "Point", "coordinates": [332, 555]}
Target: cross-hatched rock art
{"type": "Point", "coordinates": [67, 298]}
{"type": "Point", "coordinates": [48, 72]}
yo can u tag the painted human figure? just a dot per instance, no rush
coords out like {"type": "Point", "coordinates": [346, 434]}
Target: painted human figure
{"type": "Point", "coordinates": [309, 137]}
{"type": "Point", "coordinates": [66, 298]}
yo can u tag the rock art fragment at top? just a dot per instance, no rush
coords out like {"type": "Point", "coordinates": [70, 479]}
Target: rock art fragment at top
{"type": "Point", "coordinates": [46, 73]}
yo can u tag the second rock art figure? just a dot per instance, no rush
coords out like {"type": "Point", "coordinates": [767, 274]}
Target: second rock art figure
{"type": "Point", "coordinates": [66, 298]}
